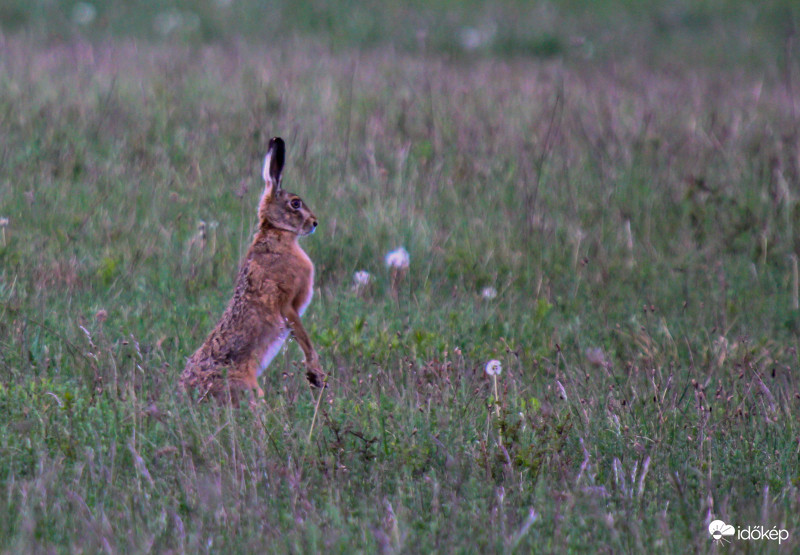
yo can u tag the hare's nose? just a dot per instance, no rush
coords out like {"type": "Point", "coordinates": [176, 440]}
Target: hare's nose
{"type": "Point", "coordinates": [314, 224]}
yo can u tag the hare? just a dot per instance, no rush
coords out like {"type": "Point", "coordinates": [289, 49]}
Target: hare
{"type": "Point", "coordinates": [273, 289]}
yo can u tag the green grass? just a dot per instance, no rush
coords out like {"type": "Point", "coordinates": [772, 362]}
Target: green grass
{"type": "Point", "coordinates": [635, 212]}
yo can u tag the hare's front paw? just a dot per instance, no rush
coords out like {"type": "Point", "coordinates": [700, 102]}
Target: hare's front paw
{"type": "Point", "coordinates": [315, 375]}
{"type": "Point", "coordinates": [315, 379]}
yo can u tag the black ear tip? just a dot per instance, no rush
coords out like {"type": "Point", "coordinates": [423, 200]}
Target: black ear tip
{"type": "Point", "coordinates": [277, 155]}
{"type": "Point", "coordinates": [278, 149]}
{"type": "Point", "coordinates": [276, 143]}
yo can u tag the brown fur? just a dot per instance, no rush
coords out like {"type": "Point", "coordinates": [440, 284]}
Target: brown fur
{"type": "Point", "coordinates": [274, 286]}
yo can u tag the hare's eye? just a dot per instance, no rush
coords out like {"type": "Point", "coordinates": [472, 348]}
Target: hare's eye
{"type": "Point", "coordinates": [296, 203]}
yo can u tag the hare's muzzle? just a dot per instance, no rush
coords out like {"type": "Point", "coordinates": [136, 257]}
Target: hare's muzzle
{"type": "Point", "coordinates": [311, 226]}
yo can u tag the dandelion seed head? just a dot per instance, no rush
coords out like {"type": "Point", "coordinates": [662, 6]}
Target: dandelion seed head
{"type": "Point", "coordinates": [398, 259]}
{"type": "Point", "coordinates": [488, 293]}
{"type": "Point", "coordinates": [83, 13]}
{"type": "Point", "coordinates": [494, 367]}
{"type": "Point", "coordinates": [169, 21]}
{"type": "Point", "coordinates": [361, 278]}
{"type": "Point", "coordinates": [3, 222]}
{"type": "Point", "coordinates": [473, 39]}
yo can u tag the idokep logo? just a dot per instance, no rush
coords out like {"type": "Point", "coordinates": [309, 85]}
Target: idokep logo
{"type": "Point", "coordinates": [719, 530]}
{"type": "Point", "coordinates": [724, 533]}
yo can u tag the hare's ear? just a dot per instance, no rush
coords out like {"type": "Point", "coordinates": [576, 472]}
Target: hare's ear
{"type": "Point", "coordinates": [273, 166]}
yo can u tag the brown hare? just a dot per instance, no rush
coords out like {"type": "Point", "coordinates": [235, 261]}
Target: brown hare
{"type": "Point", "coordinates": [273, 289]}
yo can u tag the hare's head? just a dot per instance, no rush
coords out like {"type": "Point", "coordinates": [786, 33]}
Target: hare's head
{"type": "Point", "coordinates": [279, 208]}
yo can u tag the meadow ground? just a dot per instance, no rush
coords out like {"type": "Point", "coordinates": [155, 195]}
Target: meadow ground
{"type": "Point", "coordinates": [611, 216]}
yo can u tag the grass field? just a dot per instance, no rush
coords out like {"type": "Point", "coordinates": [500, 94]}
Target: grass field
{"type": "Point", "coordinates": [626, 179]}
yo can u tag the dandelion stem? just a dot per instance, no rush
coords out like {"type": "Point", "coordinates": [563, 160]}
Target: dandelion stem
{"type": "Point", "coordinates": [497, 408]}
{"type": "Point", "coordinates": [795, 283]}
{"type": "Point", "coordinates": [496, 396]}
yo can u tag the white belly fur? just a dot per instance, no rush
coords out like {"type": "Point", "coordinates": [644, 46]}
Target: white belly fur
{"type": "Point", "coordinates": [276, 345]}
{"type": "Point", "coordinates": [307, 300]}
{"type": "Point", "coordinates": [272, 350]}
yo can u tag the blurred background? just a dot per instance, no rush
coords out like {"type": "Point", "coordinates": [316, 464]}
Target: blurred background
{"type": "Point", "coordinates": [713, 31]}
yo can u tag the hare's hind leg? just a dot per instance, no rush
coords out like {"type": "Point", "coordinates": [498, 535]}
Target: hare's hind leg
{"type": "Point", "coordinates": [247, 377]}
{"type": "Point", "coordinates": [197, 381]}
